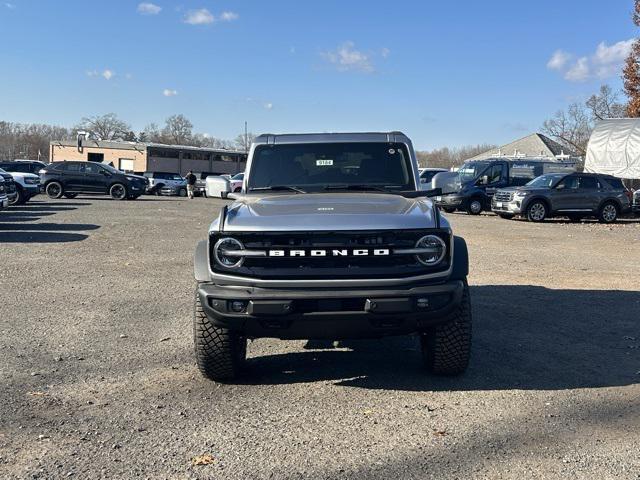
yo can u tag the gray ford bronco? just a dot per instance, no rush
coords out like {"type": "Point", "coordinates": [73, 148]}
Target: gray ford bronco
{"type": "Point", "coordinates": [331, 238]}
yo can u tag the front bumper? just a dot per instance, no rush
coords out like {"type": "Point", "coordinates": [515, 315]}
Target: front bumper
{"type": "Point", "coordinates": [330, 313]}
{"type": "Point", "coordinates": [511, 207]}
{"type": "Point", "coordinates": [449, 201]}
{"type": "Point", "coordinates": [4, 202]}
{"type": "Point", "coordinates": [32, 190]}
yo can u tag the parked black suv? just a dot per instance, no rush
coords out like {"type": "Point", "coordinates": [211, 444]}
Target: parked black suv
{"type": "Point", "coordinates": [576, 196]}
{"type": "Point", "coordinates": [71, 178]}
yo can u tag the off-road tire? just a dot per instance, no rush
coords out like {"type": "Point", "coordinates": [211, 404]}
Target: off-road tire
{"type": "Point", "coordinates": [534, 212]}
{"type": "Point", "coordinates": [608, 213]}
{"type": "Point", "coordinates": [220, 353]}
{"type": "Point", "coordinates": [182, 192]}
{"type": "Point", "coordinates": [475, 206]}
{"type": "Point", "coordinates": [59, 190]}
{"type": "Point", "coordinates": [118, 191]}
{"type": "Point", "coordinates": [446, 348]}
{"type": "Point", "coordinates": [70, 195]}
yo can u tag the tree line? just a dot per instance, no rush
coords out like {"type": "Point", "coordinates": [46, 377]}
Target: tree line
{"type": "Point", "coordinates": [31, 141]}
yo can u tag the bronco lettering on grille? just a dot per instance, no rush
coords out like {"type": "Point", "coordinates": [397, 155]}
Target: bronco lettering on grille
{"type": "Point", "coordinates": [359, 252]}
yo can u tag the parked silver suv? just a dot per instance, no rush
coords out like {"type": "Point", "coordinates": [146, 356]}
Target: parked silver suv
{"type": "Point", "coordinates": [576, 196]}
{"type": "Point", "coordinates": [331, 238]}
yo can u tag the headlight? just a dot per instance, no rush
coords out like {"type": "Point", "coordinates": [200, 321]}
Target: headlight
{"type": "Point", "coordinates": [31, 181]}
{"type": "Point", "coordinates": [434, 250]}
{"type": "Point", "coordinates": [1, 188]}
{"type": "Point", "coordinates": [520, 195]}
{"type": "Point", "coordinates": [224, 260]}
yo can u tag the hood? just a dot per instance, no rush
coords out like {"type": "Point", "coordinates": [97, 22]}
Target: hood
{"type": "Point", "coordinates": [524, 188]}
{"type": "Point", "coordinates": [328, 211]}
{"type": "Point", "coordinates": [23, 175]}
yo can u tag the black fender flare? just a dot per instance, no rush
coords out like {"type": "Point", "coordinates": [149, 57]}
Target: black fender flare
{"type": "Point", "coordinates": [201, 262]}
{"type": "Point", "coordinates": [460, 259]}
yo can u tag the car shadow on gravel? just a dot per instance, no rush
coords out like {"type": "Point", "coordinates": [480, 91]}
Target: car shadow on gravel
{"type": "Point", "coordinates": [525, 337]}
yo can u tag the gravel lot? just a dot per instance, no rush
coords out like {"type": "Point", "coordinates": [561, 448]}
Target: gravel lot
{"type": "Point", "coordinates": [97, 376]}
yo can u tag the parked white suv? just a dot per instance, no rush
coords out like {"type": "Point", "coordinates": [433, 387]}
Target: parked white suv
{"type": "Point", "coordinates": [27, 185]}
{"type": "Point", "coordinates": [166, 183]}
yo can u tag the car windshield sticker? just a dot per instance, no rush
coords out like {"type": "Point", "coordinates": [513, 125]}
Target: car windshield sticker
{"type": "Point", "coordinates": [324, 163]}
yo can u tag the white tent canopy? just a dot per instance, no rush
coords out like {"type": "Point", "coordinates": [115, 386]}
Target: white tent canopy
{"type": "Point", "coordinates": [614, 148]}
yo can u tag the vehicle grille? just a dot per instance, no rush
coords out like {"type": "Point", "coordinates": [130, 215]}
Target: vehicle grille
{"type": "Point", "coordinates": [503, 196]}
{"type": "Point", "coordinates": [392, 266]}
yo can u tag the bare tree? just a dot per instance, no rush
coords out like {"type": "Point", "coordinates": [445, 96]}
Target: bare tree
{"type": "Point", "coordinates": [243, 142]}
{"type": "Point", "coordinates": [571, 128]}
{"type": "Point", "coordinates": [28, 140]}
{"type": "Point", "coordinates": [450, 157]}
{"type": "Point", "coordinates": [631, 71]}
{"type": "Point", "coordinates": [104, 127]}
{"type": "Point", "coordinates": [605, 104]}
{"type": "Point", "coordinates": [178, 130]}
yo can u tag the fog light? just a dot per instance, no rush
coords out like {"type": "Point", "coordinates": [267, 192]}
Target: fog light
{"type": "Point", "coordinates": [423, 302]}
{"type": "Point", "coordinates": [238, 306]}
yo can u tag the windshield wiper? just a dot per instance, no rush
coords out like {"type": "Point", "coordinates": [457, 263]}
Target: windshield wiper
{"type": "Point", "coordinates": [358, 186]}
{"type": "Point", "coordinates": [277, 188]}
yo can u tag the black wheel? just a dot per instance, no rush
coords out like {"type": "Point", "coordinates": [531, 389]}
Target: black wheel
{"type": "Point", "coordinates": [70, 195]}
{"type": "Point", "coordinates": [54, 190]}
{"type": "Point", "coordinates": [157, 189]}
{"type": "Point", "coordinates": [506, 216]}
{"type": "Point", "coordinates": [446, 348]}
{"type": "Point", "coordinates": [537, 211]}
{"type": "Point", "coordinates": [220, 353]}
{"type": "Point", "coordinates": [20, 198]}
{"type": "Point", "coordinates": [182, 192]}
{"type": "Point", "coordinates": [118, 191]}
{"type": "Point", "coordinates": [608, 213]}
{"type": "Point", "coordinates": [448, 209]}
{"type": "Point", "coordinates": [475, 206]}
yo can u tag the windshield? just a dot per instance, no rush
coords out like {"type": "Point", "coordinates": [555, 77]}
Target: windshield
{"type": "Point", "coordinates": [545, 181]}
{"type": "Point", "coordinates": [110, 168]}
{"type": "Point", "coordinates": [471, 170]}
{"type": "Point", "coordinates": [316, 166]}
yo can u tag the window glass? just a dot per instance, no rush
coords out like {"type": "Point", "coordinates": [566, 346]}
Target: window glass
{"type": "Point", "coordinates": [92, 168]}
{"type": "Point", "coordinates": [589, 183]}
{"type": "Point", "coordinates": [71, 167]}
{"type": "Point", "coordinates": [571, 182]}
{"type": "Point", "coordinates": [317, 165]}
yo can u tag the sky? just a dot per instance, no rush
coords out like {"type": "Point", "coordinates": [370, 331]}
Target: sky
{"type": "Point", "coordinates": [445, 73]}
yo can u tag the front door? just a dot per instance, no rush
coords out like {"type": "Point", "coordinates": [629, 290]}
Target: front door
{"type": "Point", "coordinates": [73, 177]}
{"type": "Point", "coordinates": [566, 195]}
{"type": "Point", "coordinates": [95, 178]}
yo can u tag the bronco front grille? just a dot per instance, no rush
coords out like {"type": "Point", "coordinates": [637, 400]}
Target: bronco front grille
{"type": "Point", "coordinates": [326, 267]}
{"type": "Point", "coordinates": [503, 196]}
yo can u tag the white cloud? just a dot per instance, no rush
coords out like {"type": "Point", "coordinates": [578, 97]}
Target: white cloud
{"type": "Point", "coordinates": [148, 8]}
{"type": "Point", "coordinates": [347, 58]}
{"type": "Point", "coordinates": [229, 16]}
{"type": "Point", "coordinates": [199, 17]}
{"type": "Point", "coordinates": [169, 93]}
{"type": "Point", "coordinates": [10, 6]}
{"type": "Point", "coordinates": [107, 73]}
{"type": "Point", "coordinates": [605, 62]}
{"type": "Point", "coordinates": [559, 60]}
{"type": "Point", "coordinates": [268, 106]}
{"type": "Point", "coordinates": [385, 52]}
